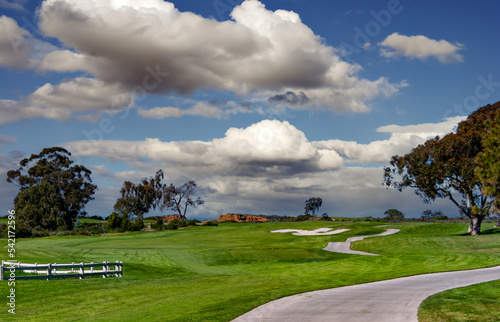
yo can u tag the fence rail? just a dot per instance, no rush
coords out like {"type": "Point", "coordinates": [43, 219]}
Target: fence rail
{"type": "Point", "coordinates": [48, 271]}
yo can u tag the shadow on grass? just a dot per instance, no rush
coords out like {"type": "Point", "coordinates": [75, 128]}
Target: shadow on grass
{"type": "Point", "coordinates": [491, 231]}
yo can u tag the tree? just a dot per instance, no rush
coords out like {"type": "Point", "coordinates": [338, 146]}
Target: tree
{"type": "Point", "coordinates": [179, 199]}
{"type": "Point", "coordinates": [53, 190]}
{"type": "Point", "coordinates": [488, 166]}
{"type": "Point", "coordinates": [312, 205]}
{"type": "Point", "coordinates": [394, 215]}
{"type": "Point", "coordinates": [444, 168]}
{"type": "Point", "coordinates": [138, 199]}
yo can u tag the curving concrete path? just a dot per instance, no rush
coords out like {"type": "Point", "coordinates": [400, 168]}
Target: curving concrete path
{"type": "Point", "coordinates": [345, 247]}
{"type": "Point", "coordinates": [391, 300]}
{"type": "Point", "coordinates": [316, 232]}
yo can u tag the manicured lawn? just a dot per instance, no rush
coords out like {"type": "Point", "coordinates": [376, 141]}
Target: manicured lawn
{"type": "Point", "coordinates": [480, 302]}
{"type": "Point", "coordinates": [219, 273]}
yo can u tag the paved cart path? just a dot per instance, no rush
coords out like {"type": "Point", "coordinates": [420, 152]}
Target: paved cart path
{"type": "Point", "coordinates": [345, 247]}
{"type": "Point", "coordinates": [391, 300]}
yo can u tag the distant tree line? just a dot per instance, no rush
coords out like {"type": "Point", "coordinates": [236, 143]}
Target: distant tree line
{"type": "Point", "coordinates": [53, 192]}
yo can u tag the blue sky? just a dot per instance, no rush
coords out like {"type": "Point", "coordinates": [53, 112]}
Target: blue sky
{"type": "Point", "coordinates": [264, 103]}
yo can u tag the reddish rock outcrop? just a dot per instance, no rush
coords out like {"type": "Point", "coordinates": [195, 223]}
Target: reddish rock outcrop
{"type": "Point", "coordinates": [240, 218]}
{"type": "Point", "coordinates": [171, 217]}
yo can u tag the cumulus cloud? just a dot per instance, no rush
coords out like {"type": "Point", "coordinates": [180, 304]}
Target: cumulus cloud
{"type": "Point", "coordinates": [267, 148]}
{"type": "Point", "coordinates": [74, 99]}
{"type": "Point", "coordinates": [83, 94]}
{"type": "Point", "coordinates": [15, 46]}
{"type": "Point", "coordinates": [269, 167]}
{"type": "Point", "coordinates": [402, 140]}
{"type": "Point", "coordinates": [420, 47]}
{"type": "Point", "coordinates": [258, 50]}
{"type": "Point", "coordinates": [205, 109]}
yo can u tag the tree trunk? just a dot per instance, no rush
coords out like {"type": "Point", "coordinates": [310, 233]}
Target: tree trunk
{"type": "Point", "coordinates": [471, 226]}
{"type": "Point", "coordinates": [476, 225]}
{"type": "Point", "coordinates": [498, 222]}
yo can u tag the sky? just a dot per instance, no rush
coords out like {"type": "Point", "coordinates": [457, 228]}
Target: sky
{"type": "Point", "coordinates": [264, 104]}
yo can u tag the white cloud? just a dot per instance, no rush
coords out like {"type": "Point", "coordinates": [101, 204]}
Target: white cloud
{"type": "Point", "coordinates": [420, 47]}
{"type": "Point", "coordinates": [269, 167]}
{"type": "Point", "coordinates": [15, 46]}
{"type": "Point", "coordinates": [63, 61]}
{"type": "Point", "coordinates": [267, 148]}
{"type": "Point", "coordinates": [75, 99]}
{"type": "Point", "coordinates": [402, 140]}
{"type": "Point", "coordinates": [83, 94]}
{"type": "Point", "coordinates": [259, 50]}
{"type": "Point", "coordinates": [205, 109]}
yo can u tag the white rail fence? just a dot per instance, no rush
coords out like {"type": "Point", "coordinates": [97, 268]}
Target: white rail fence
{"type": "Point", "coordinates": [49, 271]}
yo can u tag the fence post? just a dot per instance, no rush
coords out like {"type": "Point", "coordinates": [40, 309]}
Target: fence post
{"type": "Point", "coordinates": [55, 269]}
{"type": "Point", "coordinates": [49, 272]}
{"type": "Point", "coordinates": [116, 268]}
{"type": "Point", "coordinates": [36, 270]}
{"type": "Point", "coordinates": [104, 269]}
{"type": "Point", "coordinates": [121, 268]}
{"type": "Point", "coordinates": [72, 267]}
{"type": "Point", "coordinates": [1, 271]}
{"type": "Point", "coordinates": [82, 270]}
{"type": "Point", "coordinates": [92, 267]}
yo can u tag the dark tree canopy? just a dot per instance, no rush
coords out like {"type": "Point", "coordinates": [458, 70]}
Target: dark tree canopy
{"type": "Point", "coordinates": [138, 199]}
{"type": "Point", "coordinates": [312, 205]}
{"type": "Point", "coordinates": [394, 215]}
{"type": "Point", "coordinates": [488, 164]}
{"type": "Point", "coordinates": [444, 168]}
{"type": "Point", "coordinates": [53, 190]}
{"type": "Point", "coordinates": [181, 198]}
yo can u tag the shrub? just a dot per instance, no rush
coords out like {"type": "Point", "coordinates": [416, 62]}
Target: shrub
{"type": "Point", "coordinates": [137, 225]}
{"type": "Point", "coordinates": [173, 224]}
{"type": "Point", "coordinates": [158, 225]}
{"type": "Point", "coordinates": [210, 223]}
{"type": "Point", "coordinates": [114, 221]}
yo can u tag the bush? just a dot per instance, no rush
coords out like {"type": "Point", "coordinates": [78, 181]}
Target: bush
{"type": "Point", "coordinates": [173, 224]}
{"type": "Point", "coordinates": [304, 217]}
{"type": "Point", "coordinates": [210, 223]}
{"type": "Point", "coordinates": [137, 225]}
{"type": "Point", "coordinates": [114, 221]}
{"type": "Point", "coordinates": [158, 225]}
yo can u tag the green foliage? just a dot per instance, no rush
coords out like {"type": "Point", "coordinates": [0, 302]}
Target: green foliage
{"type": "Point", "coordinates": [159, 225]}
{"type": "Point", "coordinates": [181, 198]}
{"type": "Point", "coordinates": [138, 199]}
{"type": "Point", "coordinates": [114, 221]}
{"type": "Point", "coordinates": [312, 205]}
{"type": "Point", "coordinates": [137, 225]}
{"type": "Point", "coordinates": [304, 217]}
{"type": "Point", "coordinates": [394, 215]}
{"type": "Point", "coordinates": [53, 190]}
{"type": "Point", "coordinates": [211, 223]}
{"type": "Point", "coordinates": [488, 164]}
{"type": "Point", "coordinates": [444, 168]}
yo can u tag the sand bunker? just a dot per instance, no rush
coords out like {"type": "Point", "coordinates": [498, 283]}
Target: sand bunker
{"type": "Point", "coordinates": [316, 232]}
{"type": "Point", "coordinates": [345, 247]}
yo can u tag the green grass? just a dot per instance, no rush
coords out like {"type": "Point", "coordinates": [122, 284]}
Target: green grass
{"type": "Point", "coordinates": [479, 302]}
{"type": "Point", "coordinates": [91, 221]}
{"type": "Point", "coordinates": [219, 273]}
